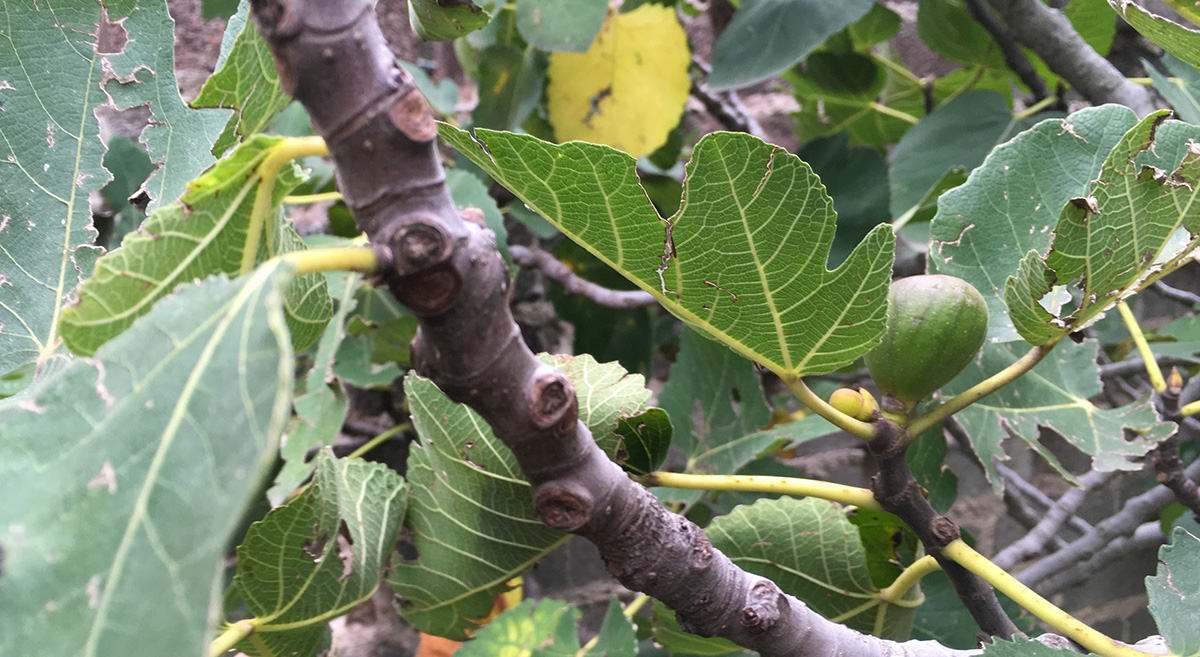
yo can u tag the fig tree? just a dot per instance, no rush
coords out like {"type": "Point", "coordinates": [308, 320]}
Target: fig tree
{"type": "Point", "coordinates": [935, 326]}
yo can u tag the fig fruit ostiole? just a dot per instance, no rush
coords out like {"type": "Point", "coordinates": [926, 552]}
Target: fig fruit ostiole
{"type": "Point", "coordinates": [935, 326]}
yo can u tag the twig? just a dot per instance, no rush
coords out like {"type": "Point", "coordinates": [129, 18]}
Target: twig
{"type": "Point", "coordinates": [724, 106]}
{"type": "Point", "coordinates": [1175, 294]}
{"type": "Point", "coordinates": [1035, 541]}
{"type": "Point", "coordinates": [1030, 492]}
{"type": "Point", "coordinates": [1137, 366]}
{"type": "Point", "coordinates": [1049, 33]}
{"type": "Point", "coordinates": [1168, 466]}
{"type": "Point", "coordinates": [1014, 57]}
{"type": "Point", "coordinates": [1137, 510]}
{"type": "Point", "coordinates": [532, 257]}
{"type": "Point", "coordinates": [1147, 536]}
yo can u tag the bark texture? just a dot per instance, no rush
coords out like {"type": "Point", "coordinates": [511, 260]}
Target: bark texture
{"type": "Point", "coordinates": [332, 57]}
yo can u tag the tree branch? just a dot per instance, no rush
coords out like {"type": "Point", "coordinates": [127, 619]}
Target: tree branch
{"type": "Point", "coordinates": [333, 58]}
{"type": "Point", "coordinates": [1046, 530]}
{"type": "Point", "coordinates": [724, 106]}
{"type": "Point", "coordinates": [1147, 536]}
{"type": "Point", "coordinates": [1014, 57]}
{"type": "Point", "coordinates": [1048, 33]}
{"type": "Point", "coordinates": [532, 257]}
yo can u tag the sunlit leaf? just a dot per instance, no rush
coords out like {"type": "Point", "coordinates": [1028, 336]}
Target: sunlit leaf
{"type": "Point", "coordinates": [628, 90]}
{"type": "Point", "coordinates": [534, 627]}
{"type": "Point", "coordinates": [124, 474]}
{"type": "Point", "coordinates": [201, 235]}
{"type": "Point", "coordinates": [744, 258]}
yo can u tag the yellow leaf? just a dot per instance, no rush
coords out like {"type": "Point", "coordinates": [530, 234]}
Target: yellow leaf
{"type": "Point", "coordinates": [629, 89]}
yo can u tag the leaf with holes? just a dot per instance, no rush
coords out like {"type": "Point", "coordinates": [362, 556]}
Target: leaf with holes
{"type": "Point", "coordinates": [1009, 204]}
{"type": "Point", "coordinates": [246, 81]}
{"type": "Point", "coordinates": [57, 69]}
{"type": "Point", "coordinates": [320, 555]}
{"type": "Point", "coordinates": [1176, 39]}
{"type": "Point", "coordinates": [201, 235]}
{"type": "Point", "coordinates": [1054, 395]}
{"type": "Point", "coordinates": [1137, 222]}
{"type": "Point", "coordinates": [471, 513]}
{"type": "Point", "coordinates": [1175, 593]}
{"type": "Point", "coordinates": [124, 474]}
{"type": "Point", "coordinates": [744, 258]}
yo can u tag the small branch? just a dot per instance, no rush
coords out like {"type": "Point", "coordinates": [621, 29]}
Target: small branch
{"type": "Point", "coordinates": [1175, 294]}
{"type": "Point", "coordinates": [1046, 530]}
{"type": "Point", "coordinates": [1013, 481]}
{"type": "Point", "coordinates": [898, 492]}
{"type": "Point", "coordinates": [1137, 510]}
{"type": "Point", "coordinates": [1065, 623]}
{"type": "Point", "coordinates": [1168, 466]}
{"type": "Point", "coordinates": [909, 578]}
{"type": "Point", "coordinates": [231, 637]}
{"type": "Point", "coordinates": [268, 170]}
{"type": "Point", "coordinates": [1184, 10]}
{"type": "Point", "coordinates": [849, 495]}
{"type": "Point", "coordinates": [1143, 347]}
{"type": "Point", "coordinates": [1014, 57]}
{"type": "Point", "coordinates": [363, 259]}
{"type": "Point", "coordinates": [1049, 33]}
{"type": "Point", "coordinates": [1137, 366]}
{"type": "Point", "coordinates": [821, 407]}
{"type": "Point", "coordinates": [724, 106]}
{"type": "Point", "coordinates": [1147, 536]}
{"type": "Point", "coordinates": [377, 440]}
{"type": "Point", "coordinates": [939, 413]}
{"type": "Point", "coordinates": [532, 257]}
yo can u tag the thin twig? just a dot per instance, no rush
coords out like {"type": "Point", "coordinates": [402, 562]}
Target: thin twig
{"type": "Point", "coordinates": [1175, 294]}
{"type": "Point", "coordinates": [1168, 466]}
{"type": "Point", "coordinates": [1137, 366]}
{"type": "Point", "coordinates": [724, 106]}
{"type": "Point", "coordinates": [1014, 482]}
{"type": "Point", "coordinates": [1147, 536]}
{"type": "Point", "coordinates": [532, 257]}
{"type": "Point", "coordinates": [1035, 541]}
{"type": "Point", "coordinates": [1014, 57]}
{"type": "Point", "coordinates": [1137, 510]}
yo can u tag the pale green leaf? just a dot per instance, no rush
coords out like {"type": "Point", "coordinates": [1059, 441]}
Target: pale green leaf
{"type": "Point", "coordinates": [472, 518]}
{"type": "Point", "coordinates": [124, 474]}
{"type": "Point", "coordinates": [1009, 205]}
{"type": "Point", "coordinates": [52, 80]}
{"type": "Point", "coordinates": [812, 551]}
{"type": "Point", "coordinates": [617, 637]}
{"type": "Point", "coordinates": [1125, 232]}
{"type": "Point", "coordinates": [317, 557]}
{"type": "Point", "coordinates": [1176, 39]}
{"type": "Point", "coordinates": [560, 25]}
{"type": "Point", "coordinates": [744, 258]}
{"type": "Point", "coordinates": [767, 37]}
{"type": "Point", "coordinates": [1182, 89]}
{"type": "Point", "coordinates": [246, 81]}
{"type": "Point", "coordinates": [538, 628]}
{"type": "Point", "coordinates": [201, 235]}
{"type": "Point", "coordinates": [1054, 395]}
{"type": "Point", "coordinates": [1175, 593]}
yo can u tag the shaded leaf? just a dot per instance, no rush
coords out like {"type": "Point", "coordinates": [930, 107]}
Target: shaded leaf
{"type": "Point", "coordinates": [445, 20]}
{"type": "Point", "coordinates": [767, 37]}
{"type": "Point", "coordinates": [442, 96]}
{"type": "Point", "coordinates": [628, 90]}
{"type": "Point", "coordinates": [510, 85]}
{"type": "Point", "coordinates": [124, 474]}
{"type": "Point", "coordinates": [471, 513]}
{"type": "Point", "coordinates": [130, 166]}
{"type": "Point", "coordinates": [809, 548]}
{"type": "Point", "coordinates": [672, 639]}
{"type": "Point", "coordinates": [560, 25]}
{"type": "Point", "coordinates": [646, 438]}
{"type": "Point", "coordinates": [1175, 593]}
{"type": "Point", "coordinates": [1054, 395]}
{"type": "Point", "coordinates": [1176, 39]}
{"type": "Point", "coordinates": [743, 259]}
{"type": "Point", "coordinates": [539, 628]}
{"type": "Point", "coordinates": [201, 235]}
{"type": "Point", "coordinates": [246, 81]}
{"type": "Point", "coordinates": [321, 554]}
{"type": "Point", "coordinates": [942, 617]}
{"type": "Point", "coordinates": [1182, 89]}
{"type": "Point", "coordinates": [857, 180]}
{"type": "Point", "coordinates": [947, 28]}
{"type": "Point", "coordinates": [1011, 202]}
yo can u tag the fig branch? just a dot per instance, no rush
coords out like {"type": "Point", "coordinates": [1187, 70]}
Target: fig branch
{"type": "Point", "coordinates": [332, 57]}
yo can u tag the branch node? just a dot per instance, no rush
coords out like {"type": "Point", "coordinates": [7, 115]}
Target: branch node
{"type": "Point", "coordinates": [764, 608]}
{"type": "Point", "coordinates": [411, 114]}
{"type": "Point", "coordinates": [945, 530]}
{"type": "Point", "coordinates": [562, 506]}
{"type": "Point", "coordinates": [553, 404]}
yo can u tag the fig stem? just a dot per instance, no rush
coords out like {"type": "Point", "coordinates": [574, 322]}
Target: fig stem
{"type": "Point", "coordinates": [909, 578]}
{"type": "Point", "coordinates": [821, 407]}
{"type": "Point", "coordinates": [1143, 347]}
{"type": "Point", "coordinates": [941, 412]}
{"type": "Point", "coordinates": [1061, 621]}
{"type": "Point", "coordinates": [362, 259]}
{"type": "Point", "coordinates": [268, 171]}
{"type": "Point", "coordinates": [849, 495]}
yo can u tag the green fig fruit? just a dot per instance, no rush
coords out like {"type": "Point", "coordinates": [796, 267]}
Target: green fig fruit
{"type": "Point", "coordinates": [935, 326]}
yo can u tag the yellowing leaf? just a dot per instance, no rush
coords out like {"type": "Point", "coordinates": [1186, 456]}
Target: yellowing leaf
{"type": "Point", "coordinates": [629, 89]}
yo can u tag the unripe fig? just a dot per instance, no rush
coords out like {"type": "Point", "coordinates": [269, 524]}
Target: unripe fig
{"type": "Point", "coordinates": [935, 326]}
{"type": "Point", "coordinates": [858, 404]}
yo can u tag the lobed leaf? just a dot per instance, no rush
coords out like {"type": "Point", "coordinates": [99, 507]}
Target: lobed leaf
{"type": "Point", "coordinates": [744, 258]}
{"type": "Point", "coordinates": [319, 555]}
{"type": "Point", "coordinates": [124, 474]}
{"type": "Point", "coordinates": [1174, 593]}
{"type": "Point", "coordinates": [1176, 39]}
{"type": "Point", "coordinates": [201, 235]}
